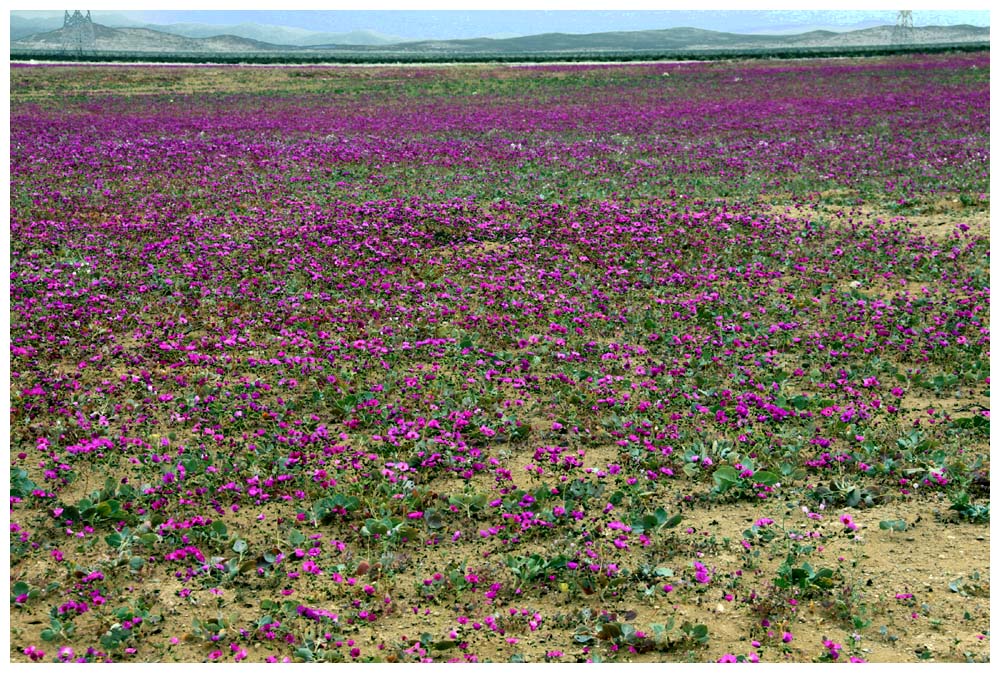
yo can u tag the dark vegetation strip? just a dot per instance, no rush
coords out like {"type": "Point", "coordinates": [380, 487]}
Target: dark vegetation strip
{"type": "Point", "coordinates": [354, 56]}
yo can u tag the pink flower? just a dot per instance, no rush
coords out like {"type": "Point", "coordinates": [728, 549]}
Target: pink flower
{"type": "Point", "coordinates": [34, 654]}
{"type": "Point", "coordinates": [832, 648]}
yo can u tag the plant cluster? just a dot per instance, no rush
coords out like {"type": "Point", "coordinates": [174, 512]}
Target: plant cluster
{"type": "Point", "coordinates": [459, 349]}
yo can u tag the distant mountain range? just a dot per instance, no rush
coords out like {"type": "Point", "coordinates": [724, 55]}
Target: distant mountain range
{"type": "Point", "coordinates": [281, 35]}
{"type": "Point", "coordinates": [249, 38]}
{"type": "Point", "coordinates": [21, 28]}
{"type": "Point", "coordinates": [692, 39]}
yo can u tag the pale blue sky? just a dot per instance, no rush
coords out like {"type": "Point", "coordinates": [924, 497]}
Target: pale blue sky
{"type": "Point", "coordinates": [445, 24]}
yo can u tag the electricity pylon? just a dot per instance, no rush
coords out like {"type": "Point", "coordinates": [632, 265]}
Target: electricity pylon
{"type": "Point", "coordinates": [903, 32]}
{"type": "Point", "coordinates": [78, 33]}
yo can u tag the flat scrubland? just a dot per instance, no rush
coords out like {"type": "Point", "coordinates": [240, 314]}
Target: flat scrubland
{"type": "Point", "coordinates": [658, 362]}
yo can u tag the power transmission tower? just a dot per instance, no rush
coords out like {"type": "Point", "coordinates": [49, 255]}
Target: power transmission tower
{"type": "Point", "coordinates": [78, 33]}
{"type": "Point", "coordinates": [903, 32]}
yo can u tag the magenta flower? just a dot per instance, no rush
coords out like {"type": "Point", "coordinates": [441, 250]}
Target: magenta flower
{"type": "Point", "coordinates": [848, 522]}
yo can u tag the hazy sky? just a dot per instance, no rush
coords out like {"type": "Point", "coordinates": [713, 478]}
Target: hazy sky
{"type": "Point", "coordinates": [444, 24]}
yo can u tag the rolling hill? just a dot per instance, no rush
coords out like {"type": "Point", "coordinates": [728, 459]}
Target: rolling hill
{"type": "Point", "coordinates": [689, 39]}
{"type": "Point", "coordinates": [145, 40]}
{"type": "Point", "coordinates": [678, 40]}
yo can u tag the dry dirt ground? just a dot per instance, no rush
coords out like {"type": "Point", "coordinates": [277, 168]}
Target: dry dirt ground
{"type": "Point", "coordinates": [921, 594]}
